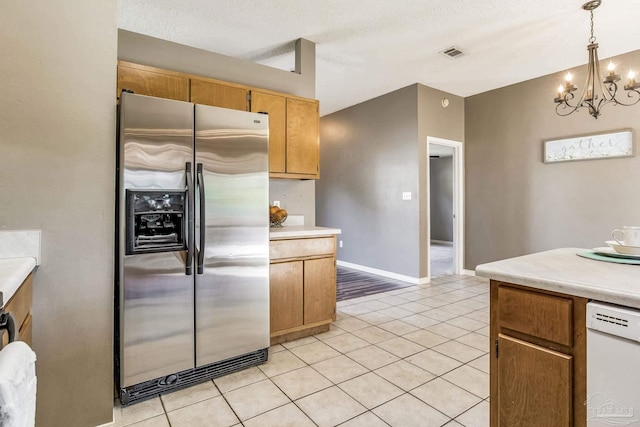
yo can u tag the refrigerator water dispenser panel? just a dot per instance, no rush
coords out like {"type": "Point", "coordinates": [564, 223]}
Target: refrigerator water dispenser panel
{"type": "Point", "coordinates": [156, 221]}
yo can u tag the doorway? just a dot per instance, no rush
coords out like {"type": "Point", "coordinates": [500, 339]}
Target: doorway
{"type": "Point", "coordinates": [445, 206]}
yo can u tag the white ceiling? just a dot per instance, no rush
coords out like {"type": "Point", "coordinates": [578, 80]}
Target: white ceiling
{"type": "Point", "coordinates": [366, 48]}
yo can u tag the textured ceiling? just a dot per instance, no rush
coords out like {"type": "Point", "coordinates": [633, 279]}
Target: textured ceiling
{"type": "Point", "coordinates": [366, 48]}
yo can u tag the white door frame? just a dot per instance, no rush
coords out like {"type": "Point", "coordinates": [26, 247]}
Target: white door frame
{"type": "Point", "coordinates": [458, 201]}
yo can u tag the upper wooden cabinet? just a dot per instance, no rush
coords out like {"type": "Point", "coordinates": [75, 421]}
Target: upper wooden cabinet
{"type": "Point", "coordinates": [294, 122]}
{"type": "Point", "coordinates": [150, 81]}
{"type": "Point", "coordinates": [219, 94]}
{"type": "Point", "coordinates": [276, 106]}
{"type": "Point", "coordinates": [293, 134]}
{"type": "Point", "coordinates": [303, 129]}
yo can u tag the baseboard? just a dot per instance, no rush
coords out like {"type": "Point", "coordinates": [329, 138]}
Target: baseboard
{"type": "Point", "coordinates": [443, 242]}
{"type": "Point", "coordinates": [112, 423]}
{"type": "Point", "coordinates": [469, 272]}
{"type": "Point", "coordinates": [383, 273]}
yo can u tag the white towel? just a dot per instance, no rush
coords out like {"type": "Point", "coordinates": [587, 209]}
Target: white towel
{"type": "Point", "coordinates": [17, 385]}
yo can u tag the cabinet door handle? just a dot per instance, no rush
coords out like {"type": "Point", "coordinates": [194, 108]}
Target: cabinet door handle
{"type": "Point", "coordinates": [8, 322]}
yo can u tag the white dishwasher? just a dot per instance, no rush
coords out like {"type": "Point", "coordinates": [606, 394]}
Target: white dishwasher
{"type": "Point", "coordinates": [613, 365]}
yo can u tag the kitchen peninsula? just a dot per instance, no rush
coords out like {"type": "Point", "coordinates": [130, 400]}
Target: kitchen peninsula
{"type": "Point", "coordinates": [538, 332]}
{"type": "Point", "coordinates": [302, 281]}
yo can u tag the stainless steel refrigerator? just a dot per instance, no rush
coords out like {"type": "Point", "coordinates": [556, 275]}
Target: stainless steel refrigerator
{"type": "Point", "coordinates": [192, 279]}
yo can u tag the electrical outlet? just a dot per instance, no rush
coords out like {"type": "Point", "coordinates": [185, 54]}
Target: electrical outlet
{"type": "Point", "coordinates": [406, 195]}
{"type": "Point", "coordinates": [340, 243]}
{"type": "Point", "coordinates": [276, 203]}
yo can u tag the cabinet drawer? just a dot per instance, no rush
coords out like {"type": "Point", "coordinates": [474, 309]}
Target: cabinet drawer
{"type": "Point", "coordinates": [548, 317]}
{"type": "Point", "coordinates": [299, 248]}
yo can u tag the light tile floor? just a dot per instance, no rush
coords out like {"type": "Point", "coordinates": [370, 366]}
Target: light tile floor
{"type": "Point", "coordinates": [416, 356]}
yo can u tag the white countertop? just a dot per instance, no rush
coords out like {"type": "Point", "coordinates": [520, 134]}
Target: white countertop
{"type": "Point", "coordinates": [561, 270]}
{"type": "Point", "coordinates": [13, 271]}
{"type": "Point", "coordinates": [301, 231]}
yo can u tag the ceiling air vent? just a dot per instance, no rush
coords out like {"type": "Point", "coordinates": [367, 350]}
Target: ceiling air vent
{"type": "Point", "coordinates": [452, 52]}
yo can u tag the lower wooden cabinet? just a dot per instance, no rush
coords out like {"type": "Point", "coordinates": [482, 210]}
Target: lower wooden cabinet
{"type": "Point", "coordinates": [302, 287]}
{"type": "Point", "coordinates": [538, 358]}
{"type": "Point", "coordinates": [286, 295]}
{"type": "Point", "coordinates": [319, 290]}
{"type": "Point", "coordinates": [20, 307]}
{"type": "Point", "coordinates": [544, 398]}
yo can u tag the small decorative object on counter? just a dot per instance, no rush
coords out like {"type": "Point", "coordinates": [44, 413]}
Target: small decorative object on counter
{"type": "Point", "coordinates": [277, 216]}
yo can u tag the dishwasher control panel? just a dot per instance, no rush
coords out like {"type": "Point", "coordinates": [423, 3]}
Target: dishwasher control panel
{"type": "Point", "coordinates": [615, 320]}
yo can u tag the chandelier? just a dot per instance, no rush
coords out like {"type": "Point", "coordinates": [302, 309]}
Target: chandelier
{"type": "Point", "coordinates": [597, 91]}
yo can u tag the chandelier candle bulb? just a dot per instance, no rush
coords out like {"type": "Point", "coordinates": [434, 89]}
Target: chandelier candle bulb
{"type": "Point", "coordinates": [632, 78]}
{"type": "Point", "coordinates": [612, 77]}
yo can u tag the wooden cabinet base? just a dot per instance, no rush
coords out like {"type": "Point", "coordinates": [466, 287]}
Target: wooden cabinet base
{"type": "Point", "coordinates": [20, 307]}
{"type": "Point", "coordinates": [538, 357]}
{"type": "Point", "coordinates": [299, 332]}
{"type": "Point", "coordinates": [302, 287]}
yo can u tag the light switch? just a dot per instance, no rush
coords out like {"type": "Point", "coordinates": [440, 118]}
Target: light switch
{"type": "Point", "coordinates": [276, 203]}
{"type": "Point", "coordinates": [406, 195]}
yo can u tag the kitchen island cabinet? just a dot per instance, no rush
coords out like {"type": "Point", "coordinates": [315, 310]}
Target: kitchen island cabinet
{"type": "Point", "coordinates": [538, 372]}
{"type": "Point", "coordinates": [538, 363]}
{"type": "Point", "coordinates": [302, 286]}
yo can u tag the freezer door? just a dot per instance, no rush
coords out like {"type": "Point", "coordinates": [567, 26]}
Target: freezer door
{"type": "Point", "coordinates": [232, 233]}
{"type": "Point", "coordinates": [156, 308]}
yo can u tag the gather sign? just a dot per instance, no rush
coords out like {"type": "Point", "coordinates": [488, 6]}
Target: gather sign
{"type": "Point", "coordinates": [585, 147]}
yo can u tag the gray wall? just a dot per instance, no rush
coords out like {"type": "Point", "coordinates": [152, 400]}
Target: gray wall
{"type": "Point", "coordinates": [57, 165]}
{"type": "Point", "coordinates": [441, 198]}
{"type": "Point", "coordinates": [368, 157]}
{"type": "Point", "coordinates": [369, 154]}
{"type": "Point", "coordinates": [446, 123]}
{"type": "Point", "coordinates": [515, 204]}
{"type": "Point", "coordinates": [298, 197]}
{"type": "Point", "coordinates": [142, 49]}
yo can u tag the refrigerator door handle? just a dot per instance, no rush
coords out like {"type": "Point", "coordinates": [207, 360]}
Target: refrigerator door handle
{"type": "Point", "coordinates": [190, 213]}
{"type": "Point", "coordinates": [200, 184]}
